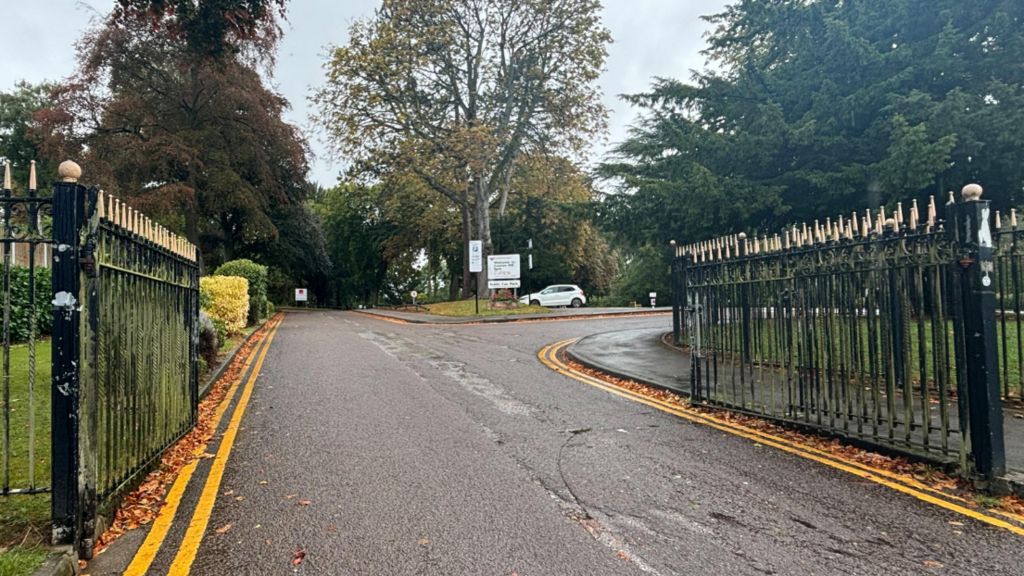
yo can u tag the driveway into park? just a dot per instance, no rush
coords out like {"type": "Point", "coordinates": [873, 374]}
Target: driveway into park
{"type": "Point", "coordinates": [372, 447]}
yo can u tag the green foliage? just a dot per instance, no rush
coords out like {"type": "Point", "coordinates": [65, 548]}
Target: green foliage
{"type": "Point", "coordinates": [818, 108]}
{"type": "Point", "coordinates": [19, 141]}
{"type": "Point", "coordinates": [209, 343]}
{"type": "Point", "coordinates": [256, 274]}
{"type": "Point", "coordinates": [228, 298]}
{"type": "Point", "coordinates": [356, 232]}
{"type": "Point", "coordinates": [22, 314]}
{"type": "Point", "coordinates": [644, 272]}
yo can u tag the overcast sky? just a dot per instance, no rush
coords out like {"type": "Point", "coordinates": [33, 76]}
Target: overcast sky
{"type": "Point", "coordinates": [651, 38]}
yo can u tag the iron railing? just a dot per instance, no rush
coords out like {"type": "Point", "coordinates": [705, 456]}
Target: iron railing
{"type": "Point", "coordinates": [24, 390]}
{"type": "Point", "coordinates": [1009, 261]}
{"type": "Point", "coordinates": [878, 330]}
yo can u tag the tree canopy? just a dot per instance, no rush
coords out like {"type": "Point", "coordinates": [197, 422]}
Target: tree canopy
{"type": "Point", "coordinates": [815, 108]}
{"type": "Point", "coordinates": [454, 92]}
{"type": "Point", "coordinates": [190, 133]}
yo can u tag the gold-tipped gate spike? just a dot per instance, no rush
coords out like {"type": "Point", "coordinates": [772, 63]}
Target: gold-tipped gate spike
{"type": "Point", "coordinates": [7, 175]}
{"type": "Point", "coordinates": [999, 221]}
{"type": "Point", "coordinates": [952, 198]}
{"type": "Point", "coordinates": [932, 212]}
{"type": "Point", "coordinates": [1013, 217]}
{"type": "Point", "coordinates": [913, 214]}
{"type": "Point", "coordinates": [899, 213]}
{"type": "Point", "coordinates": [32, 186]}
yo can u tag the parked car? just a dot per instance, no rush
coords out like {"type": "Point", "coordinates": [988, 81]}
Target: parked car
{"type": "Point", "coordinates": [557, 295]}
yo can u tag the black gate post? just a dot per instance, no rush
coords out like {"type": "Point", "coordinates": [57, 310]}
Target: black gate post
{"type": "Point", "coordinates": [676, 282]}
{"type": "Point", "coordinates": [973, 233]}
{"type": "Point", "coordinates": [68, 206]}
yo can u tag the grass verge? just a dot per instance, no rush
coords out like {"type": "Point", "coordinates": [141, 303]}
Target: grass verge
{"type": "Point", "coordinates": [467, 308]}
{"type": "Point", "coordinates": [20, 561]}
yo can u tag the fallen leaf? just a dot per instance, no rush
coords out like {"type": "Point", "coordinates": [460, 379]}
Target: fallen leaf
{"type": "Point", "coordinates": [290, 496]}
{"type": "Point", "coordinates": [223, 528]}
{"type": "Point", "coordinates": [263, 482]}
{"type": "Point", "coordinates": [622, 554]}
{"type": "Point", "coordinates": [298, 556]}
{"type": "Point", "coordinates": [207, 455]}
{"type": "Point", "coordinates": [932, 564]}
{"type": "Point", "coordinates": [239, 498]}
{"type": "Point", "coordinates": [424, 541]}
{"type": "Point", "coordinates": [229, 492]}
{"type": "Point", "coordinates": [305, 502]}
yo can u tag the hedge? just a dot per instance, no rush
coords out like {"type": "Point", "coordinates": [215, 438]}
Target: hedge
{"type": "Point", "coordinates": [256, 274]}
{"type": "Point", "coordinates": [226, 298]}
{"type": "Point", "coordinates": [21, 314]}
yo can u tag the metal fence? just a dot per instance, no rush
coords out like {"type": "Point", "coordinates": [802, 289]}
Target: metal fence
{"type": "Point", "coordinates": [24, 390]}
{"type": "Point", "coordinates": [1009, 262]}
{"type": "Point", "coordinates": [878, 329]}
{"type": "Point", "coordinates": [126, 305]}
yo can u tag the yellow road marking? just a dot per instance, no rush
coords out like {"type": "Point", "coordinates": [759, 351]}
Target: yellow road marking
{"type": "Point", "coordinates": [162, 525]}
{"type": "Point", "coordinates": [186, 555]}
{"type": "Point", "coordinates": [548, 356]}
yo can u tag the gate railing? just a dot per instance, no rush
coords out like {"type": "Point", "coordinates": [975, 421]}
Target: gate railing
{"type": "Point", "coordinates": [24, 389]}
{"type": "Point", "coordinates": [877, 329]}
{"type": "Point", "coordinates": [126, 305]}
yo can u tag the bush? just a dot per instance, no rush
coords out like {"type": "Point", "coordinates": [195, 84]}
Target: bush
{"type": "Point", "coordinates": [256, 274]}
{"type": "Point", "coordinates": [228, 298]}
{"type": "Point", "coordinates": [22, 315]}
{"type": "Point", "coordinates": [222, 331]}
{"type": "Point", "coordinates": [208, 347]}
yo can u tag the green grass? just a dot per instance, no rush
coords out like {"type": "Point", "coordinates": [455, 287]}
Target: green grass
{"type": "Point", "coordinates": [24, 519]}
{"type": "Point", "coordinates": [768, 346]}
{"type": "Point", "coordinates": [20, 561]}
{"type": "Point", "coordinates": [465, 308]}
{"type": "Point", "coordinates": [231, 341]}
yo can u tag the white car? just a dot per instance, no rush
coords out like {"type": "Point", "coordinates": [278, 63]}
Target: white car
{"type": "Point", "coordinates": [557, 295]}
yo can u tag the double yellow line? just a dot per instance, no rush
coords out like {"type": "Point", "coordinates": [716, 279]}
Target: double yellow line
{"type": "Point", "coordinates": [200, 519]}
{"type": "Point", "coordinates": [550, 356]}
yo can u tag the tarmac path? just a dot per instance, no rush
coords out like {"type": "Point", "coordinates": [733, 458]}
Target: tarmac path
{"type": "Point", "coordinates": [370, 447]}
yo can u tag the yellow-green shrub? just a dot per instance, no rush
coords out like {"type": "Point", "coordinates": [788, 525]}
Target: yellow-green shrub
{"type": "Point", "coordinates": [226, 298]}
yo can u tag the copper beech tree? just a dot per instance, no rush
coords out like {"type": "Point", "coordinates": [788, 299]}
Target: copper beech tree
{"type": "Point", "coordinates": [168, 109]}
{"type": "Point", "coordinates": [456, 92]}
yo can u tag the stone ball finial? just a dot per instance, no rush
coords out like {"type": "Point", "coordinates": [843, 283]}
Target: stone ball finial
{"type": "Point", "coordinates": [743, 236]}
{"type": "Point", "coordinates": [671, 242]}
{"type": "Point", "coordinates": [69, 171]}
{"type": "Point", "coordinates": [971, 193]}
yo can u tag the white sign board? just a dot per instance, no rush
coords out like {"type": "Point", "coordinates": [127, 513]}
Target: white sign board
{"type": "Point", "coordinates": [503, 267]}
{"type": "Point", "coordinates": [476, 252]}
{"type": "Point", "coordinates": [653, 294]}
{"type": "Point", "coordinates": [493, 284]}
{"type": "Point", "coordinates": [300, 295]}
{"type": "Point", "coordinates": [414, 294]}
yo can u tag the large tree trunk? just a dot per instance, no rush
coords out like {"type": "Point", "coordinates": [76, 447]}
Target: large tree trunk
{"type": "Point", "coordinates": [483, 223]}
{"type": "Point", "coordinates": [466, 237]}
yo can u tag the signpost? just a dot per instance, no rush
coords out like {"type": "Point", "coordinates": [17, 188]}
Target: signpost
{"type": "Point", "coordinates": [503, 271]}
{"type": "Point", "coordinates": [476, 265]}
{"type": "Point", "coordinates": [414, 294]}
{"type": "Point", "coordinates": [654, 296]}
{"type": "Point", "coordinates": [301, 295]}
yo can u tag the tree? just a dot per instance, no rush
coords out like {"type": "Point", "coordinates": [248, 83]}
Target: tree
{"type": "Point", "coordinates": [19, 141]}
{"type": "Point", "coordinates": [818, 108]}
{"type": "Point", "coordinates": [194, 139]}
{"type": "Point", "coordinates": [456, 91]}
{"type": "Point", "coordinates": [210, 28]}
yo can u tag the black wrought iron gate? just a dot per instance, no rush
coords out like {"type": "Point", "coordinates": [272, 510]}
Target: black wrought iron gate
{"type": "Point", "coordinates": [122, 306]}
{"type": "Point", "coordinates": [876, 329]}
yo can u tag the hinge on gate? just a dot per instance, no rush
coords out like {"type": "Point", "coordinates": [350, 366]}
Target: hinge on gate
{"type": "Point", "coordinates": [87, 257]}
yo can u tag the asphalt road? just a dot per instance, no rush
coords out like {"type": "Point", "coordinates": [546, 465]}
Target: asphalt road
{"type": "Point", "coordinates": [380, 448]}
